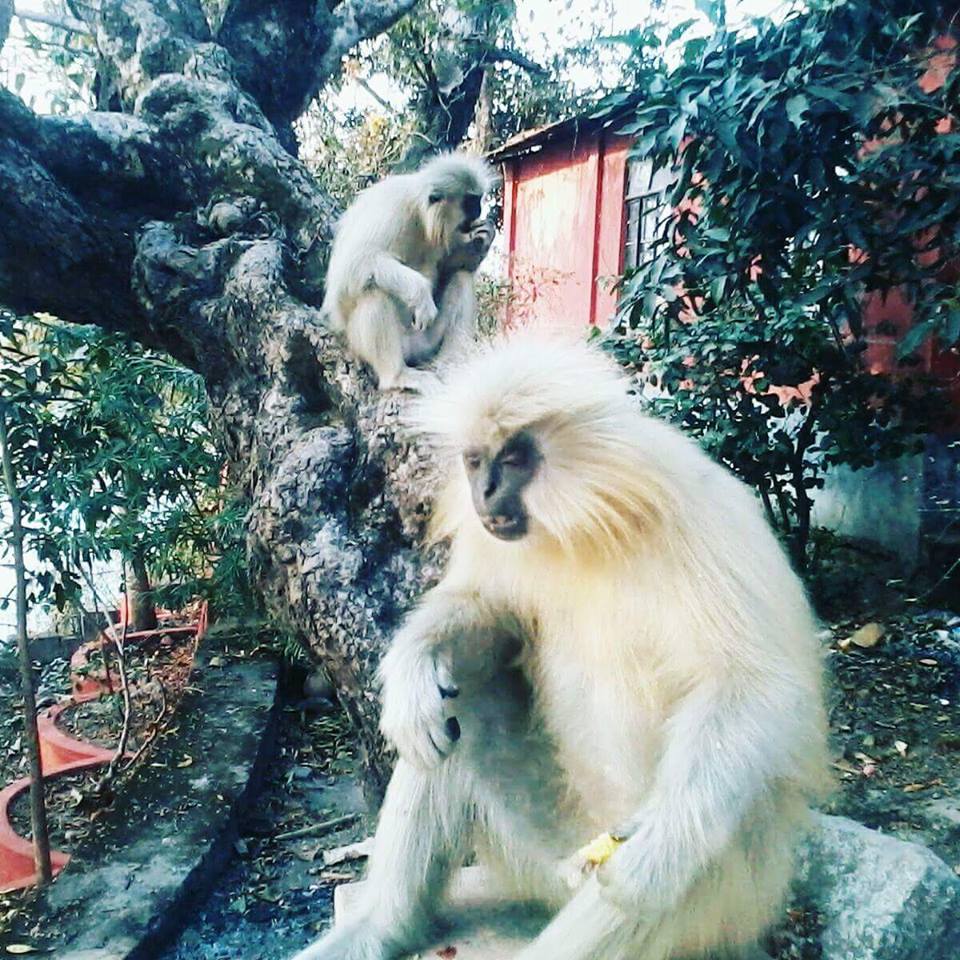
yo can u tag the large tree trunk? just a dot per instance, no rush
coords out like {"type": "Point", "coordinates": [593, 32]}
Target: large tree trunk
{"type": "Point", "coordinates": [186, 222]}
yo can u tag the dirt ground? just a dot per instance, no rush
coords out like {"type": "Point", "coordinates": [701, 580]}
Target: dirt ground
{"type": "Point", "coordinates": [892, 664]}
{"type": "Point", "coordinates": [157, 672]}
{"type": "Point", "coordinates": [895, 724]}
{"type": "Point", "coordinates": [277, 894]}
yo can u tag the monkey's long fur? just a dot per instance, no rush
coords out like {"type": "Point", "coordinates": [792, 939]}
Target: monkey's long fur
{"type": "Point", "coordinates": [395, 215]}
{"type": "Point", "coordinates": [389, 254]}
{"type": "Point", "coordinates": [674, 671]}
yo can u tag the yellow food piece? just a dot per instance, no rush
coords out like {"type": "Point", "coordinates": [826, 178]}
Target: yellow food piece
{"type": "Point", "coordinates": [599, 850]}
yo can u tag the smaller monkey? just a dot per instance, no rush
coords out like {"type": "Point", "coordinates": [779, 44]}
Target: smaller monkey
{"type": "Point", "coordinates": [400, 285]}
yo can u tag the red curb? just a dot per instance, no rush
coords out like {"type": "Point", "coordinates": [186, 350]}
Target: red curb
{"type": "Point", "coordinates": [59, 749]}
{"type": "Point", "coordinates": [61, 753]}
{"type": "Point", "coordinates": [16, 854]}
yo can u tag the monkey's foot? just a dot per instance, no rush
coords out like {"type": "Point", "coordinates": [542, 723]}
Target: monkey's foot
{"type": "Point", "coordinates": [416, 381]}
{"type": "Point", "coordinates": [353, 941]}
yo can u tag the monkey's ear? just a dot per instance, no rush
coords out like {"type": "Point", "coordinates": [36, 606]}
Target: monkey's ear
{"type": "Point", "coordinates": [435, 198]}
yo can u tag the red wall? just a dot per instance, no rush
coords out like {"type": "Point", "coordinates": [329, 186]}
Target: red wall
{"type": "Point", "coordinates": [563, 219]}
{"type": "Point", "coordinates": [886, 318]}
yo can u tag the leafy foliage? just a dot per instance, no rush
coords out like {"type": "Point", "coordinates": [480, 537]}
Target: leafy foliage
{"type": "Point", "coordinates": [455, 69]}
{"type": "Point", "coordinates": [114, 455]}
{"type": "Point", "coordinates": [814, 162]}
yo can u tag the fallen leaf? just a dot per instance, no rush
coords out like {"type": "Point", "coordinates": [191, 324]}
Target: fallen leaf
{"type": "Point", "coordinates": [868, 635]}
{"type": "Point", "coordinates": [901, 747]}
{"type": "Point", "coordinates": [914, 787]}
{"type": "Point", "coordinates": [929, 662]}
{"type": "Point", "coordinates": [186, 761]}
{"type": "Point", "coordinates": [20, 948]}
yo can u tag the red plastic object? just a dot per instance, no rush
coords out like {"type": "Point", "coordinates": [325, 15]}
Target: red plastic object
{"type": "Point", "coordinates": [16, 854]}
{"type": "Point", "coordinates": [61, 753]}
{"type": "Point", "coordinates": [59, 750]}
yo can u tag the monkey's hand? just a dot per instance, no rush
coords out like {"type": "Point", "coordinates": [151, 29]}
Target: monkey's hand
{"type": "Point", "coordinates": [417, 688]}
{"type": "Point", "coordinates": [575, 870]}
{"type": "Point", "coordinates": [423, 306]}
{"type": "Point", "coordinates": [474, 244]}
{"type": "Point", "coordinates": [649, 871]}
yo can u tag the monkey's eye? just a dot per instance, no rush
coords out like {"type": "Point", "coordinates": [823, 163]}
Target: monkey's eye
{"type": "Point", "coordinates": [435, 198]}
{"type": "Point", "coordinates": [472, 461]}
{"type": "Point", "coordinates": [514, 458]}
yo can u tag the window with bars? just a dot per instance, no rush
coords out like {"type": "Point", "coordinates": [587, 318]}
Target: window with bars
{"type": "Point", "coordinates": [645, 204]}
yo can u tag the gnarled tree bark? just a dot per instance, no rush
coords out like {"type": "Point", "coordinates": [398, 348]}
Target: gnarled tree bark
{"type": "Point", "coordinates": [187, 222]}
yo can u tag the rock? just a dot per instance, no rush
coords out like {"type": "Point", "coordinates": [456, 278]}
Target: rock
{"type": "Point", "coordinates": [868, 635]}
{"type": "Point", "coordinates": [879, 898]}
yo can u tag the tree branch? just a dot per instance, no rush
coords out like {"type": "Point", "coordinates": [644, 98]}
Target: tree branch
{"type": "Point", "coordinates": [359, 20]}
{"type": "Point", "coordinates": [493, 54]}
{"type": "Point", "coordinates": [364, 84]}
{"type": "Point", "coordinates": [285, 52]}
{"type": "Point", "coordinates": [108, 158]}
{"type": "Point", "coordinates": [63, 23]}
{"type": "Point", "coordinates": [55, 255]}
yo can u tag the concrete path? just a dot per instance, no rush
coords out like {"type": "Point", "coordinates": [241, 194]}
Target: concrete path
{"type": "Point", "coordinates": [170, 833]}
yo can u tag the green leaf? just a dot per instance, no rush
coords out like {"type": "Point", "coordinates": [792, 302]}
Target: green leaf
{"type": "Point", "coordinates": [796, 107]}
{"type": "Point", "coordinates": [914, 338]}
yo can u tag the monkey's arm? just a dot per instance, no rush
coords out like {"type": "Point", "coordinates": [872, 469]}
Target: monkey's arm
{"type": "Point", "coordinates": [409, 286]}
{"type": "Point", "coordinates": [720, 755]}
{"type": "Point", "coordinates": [452, 635]}
{"type": "Point", "coordinates": [724, 749]}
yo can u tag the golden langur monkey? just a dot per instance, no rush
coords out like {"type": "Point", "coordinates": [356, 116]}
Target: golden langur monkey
{"type": "Point", "coordinates": [618, 646]}
{"type": "Point", "coordinates": [400, 285]}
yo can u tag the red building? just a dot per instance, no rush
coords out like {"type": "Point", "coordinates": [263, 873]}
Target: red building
{"type": "Point", "coordinates": [575, 215]}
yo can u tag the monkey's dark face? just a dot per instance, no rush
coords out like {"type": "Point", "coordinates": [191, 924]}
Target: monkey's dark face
{"type": "Point", "coordinates": [471, 210]}
{"type": "Point", "coordinates": [464, 210]}
{"type": "Point", "coordinates": [498, 479]}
